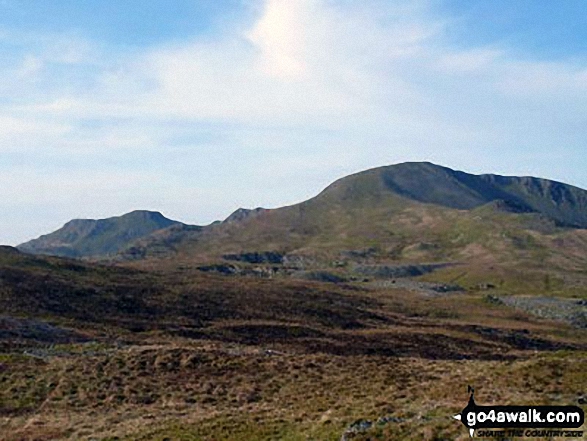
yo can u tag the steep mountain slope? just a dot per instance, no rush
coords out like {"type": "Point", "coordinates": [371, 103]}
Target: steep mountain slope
{"type": "Point", "coordinates": [429, 183]}
{"type": "Point", "coordinates": [404, 212]}
{"type": "Point", "coordinates": [411, 212]}
{"type": "Point", "coordinates": [98, 238]}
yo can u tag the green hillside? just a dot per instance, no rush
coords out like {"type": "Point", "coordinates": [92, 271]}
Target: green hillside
{"type": "Point", "coordinates": [378, 300]}
{"type": "Point", "coordinates": [91, 351]}
{"type": "Point", "coordinates": [405, 212]}
{"type": "Point", "coordinates": [498, 230]}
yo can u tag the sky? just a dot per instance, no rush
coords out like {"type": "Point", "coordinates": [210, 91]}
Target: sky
{"type": "Point", "coordinates": [196, 108]}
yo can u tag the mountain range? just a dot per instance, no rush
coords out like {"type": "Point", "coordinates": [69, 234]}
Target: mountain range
{"type": "Point", "coordinates": [348, 315]}
{"type": "Point", "coordinates": [412, 212]}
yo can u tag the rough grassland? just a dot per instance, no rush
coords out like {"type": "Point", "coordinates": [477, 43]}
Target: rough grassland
{"type": "Point", "coordinates": [108, 353]}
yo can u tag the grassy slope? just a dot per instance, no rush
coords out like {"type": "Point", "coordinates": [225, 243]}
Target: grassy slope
{"type": "Point", "coordinates": [491, 246]}
{"type": "Point", "coordinates": [204, 357]}
{"type": "Point", "coordinates": [406, 213]}
{"type": "Point", "coordinates": [176, 354]}
{"type": "Point", "coordinates": [205, 392]}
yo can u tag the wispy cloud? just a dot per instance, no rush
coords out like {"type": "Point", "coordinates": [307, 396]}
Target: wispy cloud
{"type": "Point", "coordinates": [313, 89]}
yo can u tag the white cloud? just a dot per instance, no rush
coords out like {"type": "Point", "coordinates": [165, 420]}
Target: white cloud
{"type": "Point", "coordinates": [30, 67]}
{"type": "Point", "coordinates": [314, 64]}
{"type": "Point", "coordinates": [17, 133]}
{"type": "Point", "coordinates": [544, 80]}
{"type": "Point", "coordinates": [466, 62]}
{"type": "Point", "coordinates": [280, 37]}
{"type": "Point", "coordinates": [313, 88]}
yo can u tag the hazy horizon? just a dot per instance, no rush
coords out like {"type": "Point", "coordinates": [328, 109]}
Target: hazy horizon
{"type": "Point", "coordinates": [203, 107]}
{"type": "Point", "coordinates": [169, 217]}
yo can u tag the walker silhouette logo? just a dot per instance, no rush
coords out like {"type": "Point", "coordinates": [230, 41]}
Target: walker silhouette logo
{"type": "Point", "coordinates": [515, 418]}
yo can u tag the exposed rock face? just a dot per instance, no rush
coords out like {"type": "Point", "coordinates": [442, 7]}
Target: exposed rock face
{"type": "Point", "coordinates": [257, 257]}
{"type": "Point", "coordinates": [98, 238]}
{"type": "Point", "coordinates": [363, 426]}
{"type": "Point", "coordinates": [391, 271]}
{"type": "Point", "coordinates": [243, 213]}
{"type": "Point", "coordinates": [430, 183]}
{"type": "Point", "coordinates": [386, 212]}
{"type": "Point", "coordinates": [571, 311]}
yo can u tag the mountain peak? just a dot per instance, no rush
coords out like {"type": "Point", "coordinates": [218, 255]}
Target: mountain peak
{"type": "Point", "coordinates": [101, 237]}
{"type": "Point", "coordinates": [146, 214]}
{"type": "Point", "coordinates": [353, 210]}
{"type": "Point", "coordinates": [6, 249]}
{"type": "Point", "coordinates": [429, 183]}
{"type": "Point", "coordinates": [243, 213]}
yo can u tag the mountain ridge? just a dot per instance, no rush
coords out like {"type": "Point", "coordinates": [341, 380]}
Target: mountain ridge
{"type": "Point", "coordinates": [430, 183]}
{"type": "Point", "coordinates": [98, 237]}
{"type": "Point", "coordinates": [394, 207]}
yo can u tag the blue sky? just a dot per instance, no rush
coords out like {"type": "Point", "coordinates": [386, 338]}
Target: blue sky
{"type": "Point", "coordinates": [128, 22]}
{"type": "Point", "coordinates": [539, 29]}
{"type": "Point", "coordinates": [195, 108]}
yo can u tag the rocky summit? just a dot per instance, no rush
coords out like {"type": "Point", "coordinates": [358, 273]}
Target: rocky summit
{"type": "Point", "coordinates": [98, 238]}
